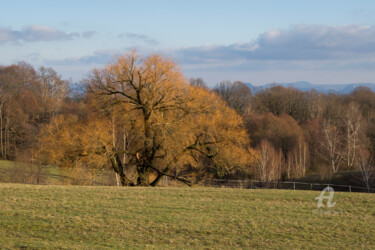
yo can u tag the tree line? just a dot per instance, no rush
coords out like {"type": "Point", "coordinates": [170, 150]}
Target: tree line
{"type": "Point", "coordinates": [139, 117]}
{"type": "Point", "coordinates": [298, 133]}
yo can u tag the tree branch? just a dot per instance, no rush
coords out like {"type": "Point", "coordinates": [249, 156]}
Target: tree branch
{"type": "Point", "coordinates": [187, 182]}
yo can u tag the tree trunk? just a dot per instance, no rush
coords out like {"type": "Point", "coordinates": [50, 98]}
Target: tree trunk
{"type": "Point", "coordinates": [1, 132]}
{"type": "Point", "coordinates": [143, 176]}
{"type": "Point", "coordinates": [117, 179]}
{"type": "Point", "coordinates": [114, 146]}
{"type": "Point", "coordinates": [146, 160]}
{"type": "Point", "coordinates": [6, 139]}
{"type": "Point", "coordinates": [118, 168]}
{"type": "Point", "coordinates": [158, 178]}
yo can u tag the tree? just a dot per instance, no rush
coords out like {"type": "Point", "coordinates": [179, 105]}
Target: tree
{"type": "Point", "coordinates": [279, 100]}
{"type": "Point", "coordinates": [169, 125]}
{"type": "Point", "coordinates": [268, 162]}
{"type": "Point", "coordinates": [53, 91]}
{"type": "Point", "coordinates": [343, 132]}
{"type": "Point", "coordinates": [367, 168]}
{"type": "Point", "coordinates": [332, 145]}
{"type": "Point", "coordinates": [69, 142]}
{"type": "Point", "coordinates": [237, 95]}
{"type": "Point", "coordinates": [365, 98]}
{"type": "Point", "coordinates": [285, 135]}
{"type": "Point", "coordinates": [19, 108]}
{"type": "Point", "coordinates": [353, 122]}
{"type": "Point", "coordinates": [198, 82]}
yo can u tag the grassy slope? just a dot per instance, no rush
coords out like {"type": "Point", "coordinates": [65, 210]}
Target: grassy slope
{"type": "Point", "coordinates": [104, 217]}
{"type": "Point", "coordinates": [4, 164]}
{"type": "Point", "coordinates": [16, 172]}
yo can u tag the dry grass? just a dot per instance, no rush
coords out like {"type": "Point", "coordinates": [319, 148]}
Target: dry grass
{"type": "Point", "coordinates": [77, 217]}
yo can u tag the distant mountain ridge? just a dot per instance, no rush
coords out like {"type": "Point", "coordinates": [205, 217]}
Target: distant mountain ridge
{"type": "Point", "coordinates": [323, 88]}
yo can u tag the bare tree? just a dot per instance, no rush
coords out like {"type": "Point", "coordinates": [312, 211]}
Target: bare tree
{"type": "Point", "coordinates": [353, 123]}
{"type": "Point", "coordinates": [367, 167]}
{"type": "Point", "coordinates": [237, 95]}
{"type": "Point", "coordinates": [279, 100]}
{"type": "Point", "coordinates": [332, 145]}
{"type": "Point", "coordinates": [18, 108]}
{"type": "Point", "coordinates": [198, 82]}
{"type": "Point", "coordinates": [297, 160]}
{"type": "Point", "coordinates": [53, 91]}
{"type": "Point", "coordinates": [267, 162]}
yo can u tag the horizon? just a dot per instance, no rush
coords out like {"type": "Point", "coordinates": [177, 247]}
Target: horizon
{"type": "Point", "coordinates": [320, 42]}
{"type": "Point", "coordinates": [312, 83]}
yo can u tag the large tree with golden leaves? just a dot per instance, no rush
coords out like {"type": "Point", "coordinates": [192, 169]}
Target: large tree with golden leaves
{"type": "Point", "coordinates": [157, 124]}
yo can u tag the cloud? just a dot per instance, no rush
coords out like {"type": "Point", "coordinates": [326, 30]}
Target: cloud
{"type": "Point", "coordinates": [36, 33]}
{"type": "Point", "coordinates": [139, 37]}
{"type": "Point", "coordinates": [8, 35]}
{"type": "Point", "coordinates": [43, 33]}
{"type": "Point", "coordinates": [301, 52]}
{"type": "Point", "coordinates": [314, 53]}
{"type": "Point", "coordinates": [100, 57]}
{"type": "Point", "coordinates": [88, 34]}
{"type": "Point", "coordinates": [315, 42]}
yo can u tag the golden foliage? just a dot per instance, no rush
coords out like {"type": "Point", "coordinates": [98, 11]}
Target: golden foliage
{"type": "Point", "coordinates": [152, 122]}
{"type": "Point", "coordinates": [68, 142]}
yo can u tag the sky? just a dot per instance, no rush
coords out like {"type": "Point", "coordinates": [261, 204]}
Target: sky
{"type": "Point", "coordinates": [257, 42]}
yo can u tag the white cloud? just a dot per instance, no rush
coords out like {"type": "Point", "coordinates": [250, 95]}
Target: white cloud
{"type": "Point", "coordinates": [327, 52]}
{"type": "Point", "coordinates": [319, 38]}
{"type": "Point", "coordinates": [297, 43]}
{"type": "Point", "coordinates": [316, 52]}
{"type": "Point", "coordinates": [43, 33]}
{"type": "Point", "coordinates": [36, 33]}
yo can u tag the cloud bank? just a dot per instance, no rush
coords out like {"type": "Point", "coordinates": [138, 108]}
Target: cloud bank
{"type": "Point", "coordinates": [314, 53]}
{"type": "Point", "coordinates": [297, 43]}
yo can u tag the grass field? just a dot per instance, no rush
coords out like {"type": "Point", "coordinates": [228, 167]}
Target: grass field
{"type": "Point", "coordinates": [18, 172]}
{"type": "Point", "coordinates": [74, 217]}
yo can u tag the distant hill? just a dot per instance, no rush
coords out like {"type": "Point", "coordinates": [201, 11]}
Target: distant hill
{"type": "Point", "coordinates": [323, 88]}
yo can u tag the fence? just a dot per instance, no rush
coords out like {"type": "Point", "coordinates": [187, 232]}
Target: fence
{"type": "Point", "coordinates": [291, 185]}
{"type": "Point", "coordinates": [253, 184]}
{"type": "Point", "coordinates": [18, 174]}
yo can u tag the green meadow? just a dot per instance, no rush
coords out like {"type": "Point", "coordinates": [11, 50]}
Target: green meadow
{"type": "Point", "coordinates": [88, 217]}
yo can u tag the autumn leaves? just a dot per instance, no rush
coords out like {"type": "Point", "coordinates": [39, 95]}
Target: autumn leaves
{"type": "Point", "coordinates": [172, 128]}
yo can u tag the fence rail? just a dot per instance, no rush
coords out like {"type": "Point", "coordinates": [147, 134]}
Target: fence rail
{"type": "Point", "coordinates": [22, 176]}
{"type": "Point", "coordinates": [291, 185]}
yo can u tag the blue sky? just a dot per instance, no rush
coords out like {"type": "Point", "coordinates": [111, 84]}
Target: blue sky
{"type": "Point", "coordinates": [252, 41]}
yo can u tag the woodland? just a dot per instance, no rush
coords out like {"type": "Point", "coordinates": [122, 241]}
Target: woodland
{"type": "Point", "coordinates": [142, 119]}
